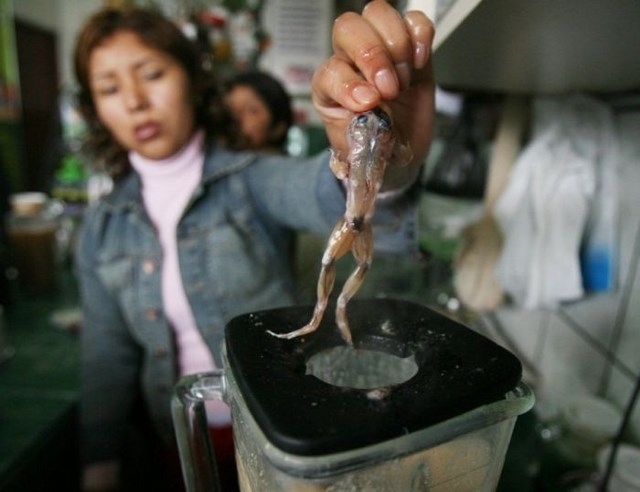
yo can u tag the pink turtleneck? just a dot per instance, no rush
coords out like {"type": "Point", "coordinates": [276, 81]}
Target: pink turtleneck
{"type": "Point", "coordinates": [167, 186]}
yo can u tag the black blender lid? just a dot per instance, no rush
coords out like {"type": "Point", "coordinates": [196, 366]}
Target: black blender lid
{"type": "Point", "coordinates": [458, 370]}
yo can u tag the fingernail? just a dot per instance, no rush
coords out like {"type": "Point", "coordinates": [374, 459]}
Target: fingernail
{"type": "Point", "coordinates": [386, 81]}
{"type": "Point", "coordinates": [363, 94]}
{"type": "Point", "coordinates": [420, 56]}
{"type": "Point", "coordinates": [404, 74]}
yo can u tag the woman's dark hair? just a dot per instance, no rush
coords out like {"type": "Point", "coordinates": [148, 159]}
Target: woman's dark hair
{"type": "Point", "coordinates": [273, 94]}
{"type": "Point", "coordinates": [160, 33]}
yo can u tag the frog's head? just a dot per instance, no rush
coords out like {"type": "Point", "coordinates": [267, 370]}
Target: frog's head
{"type": "Point", "coordinates": [377, 119]}
{"type": "Point", "coordinates": [370, 123]}
{"type": "Point", "coordinates": [372, 132]}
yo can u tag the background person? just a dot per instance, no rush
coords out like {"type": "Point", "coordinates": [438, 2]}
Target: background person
{"type": "Point", "coordinates": [263, 109]}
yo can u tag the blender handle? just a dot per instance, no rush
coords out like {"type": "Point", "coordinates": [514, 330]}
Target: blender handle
{"type": "Point", "coordinates": [197, 456]}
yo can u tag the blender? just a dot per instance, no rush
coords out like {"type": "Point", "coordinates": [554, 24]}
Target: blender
{"type": "Point", "coordinates": [420, 402]}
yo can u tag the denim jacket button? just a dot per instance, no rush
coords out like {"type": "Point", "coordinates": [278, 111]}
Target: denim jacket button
{"type": "Point", "coordinates": [149, 266]}
{"type": "Point", "coordinates": [151, 314]}
{"type": "Point", "coordinates": [161, 353]}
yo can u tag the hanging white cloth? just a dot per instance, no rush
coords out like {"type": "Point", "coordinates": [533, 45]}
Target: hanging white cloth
{"type": "Point", "coordinates": [545, 208]}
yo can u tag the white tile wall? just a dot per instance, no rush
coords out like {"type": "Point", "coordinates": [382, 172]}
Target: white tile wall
{"type": "Point", "coordinates": [591, 346]}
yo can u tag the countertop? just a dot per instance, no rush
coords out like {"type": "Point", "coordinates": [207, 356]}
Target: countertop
{"type": "Point", "coordinates": [39, 385]}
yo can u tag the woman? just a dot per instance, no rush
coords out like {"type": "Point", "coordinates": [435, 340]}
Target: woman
{"type": "Point", "coordinates": [193, 232]}
{"type": "Point", "coordinates": [262, 107]}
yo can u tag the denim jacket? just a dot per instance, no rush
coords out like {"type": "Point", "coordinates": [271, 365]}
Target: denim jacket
{"type": "Point", "coordinates": [231, 239]}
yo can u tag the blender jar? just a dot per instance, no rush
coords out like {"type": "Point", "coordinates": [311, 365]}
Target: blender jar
{"type": "Point", "coordinates": [432, 409]}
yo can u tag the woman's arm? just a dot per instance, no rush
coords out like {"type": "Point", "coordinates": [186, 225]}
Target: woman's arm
{"type": "Point", "coordinates": [109, 369]}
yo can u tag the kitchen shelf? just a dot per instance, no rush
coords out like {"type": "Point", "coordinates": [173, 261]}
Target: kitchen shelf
{"type": "Point", "coordinates": [542, 46]}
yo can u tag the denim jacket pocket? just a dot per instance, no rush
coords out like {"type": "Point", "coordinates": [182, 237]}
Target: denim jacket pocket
{"type": "Point", "coordinates": [245, 273]}
{"type": "Point", "coordinates": [119, 278]}
{"type": "Point", "coordinates": [116, 274]}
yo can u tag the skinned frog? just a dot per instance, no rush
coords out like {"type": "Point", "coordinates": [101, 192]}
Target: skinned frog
{"type": "Point", "coordinates": [371, 145]}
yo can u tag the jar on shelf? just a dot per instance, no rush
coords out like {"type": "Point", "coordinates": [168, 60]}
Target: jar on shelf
{"type": "Point", "coordinates": [32, 224]}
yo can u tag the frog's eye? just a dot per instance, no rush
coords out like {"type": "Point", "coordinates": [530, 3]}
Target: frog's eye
{"type": "Point", "coordinates": [384, 122]}
{"type": "Point", "coordinates": [362, 119]}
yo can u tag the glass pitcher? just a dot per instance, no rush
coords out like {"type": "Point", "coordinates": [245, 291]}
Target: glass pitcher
{"type": "Point", "coordinates": [32, 226]}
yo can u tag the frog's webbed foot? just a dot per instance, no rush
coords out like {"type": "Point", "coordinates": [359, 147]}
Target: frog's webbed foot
{"type": "Point", "coordinates": [308, 328]}
{"type": "Point", "coordinates": [402, 154]}
{"type": "Point", "coordinates": [339, 167]}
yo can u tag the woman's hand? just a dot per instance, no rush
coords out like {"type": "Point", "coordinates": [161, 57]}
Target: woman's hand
{"type": "Point", "coordinates": [380, 57]}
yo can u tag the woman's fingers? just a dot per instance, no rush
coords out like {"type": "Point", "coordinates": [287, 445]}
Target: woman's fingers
{"type": "Point", "coordinates": [380, 57]}
{"type": "Point", "coordinates": [421, 31]}
{"type": "Point", "coordinates": [382, 46]}
{"type": "Point", "coordinates": [344, 92]}
{"type": "Point", "coordinates": [392, 30]}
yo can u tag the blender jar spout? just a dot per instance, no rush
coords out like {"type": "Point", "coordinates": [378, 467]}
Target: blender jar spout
{"type": "Point", "coordinates": [190, 423]}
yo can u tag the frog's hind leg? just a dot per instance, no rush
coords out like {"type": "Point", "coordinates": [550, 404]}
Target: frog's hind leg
{"type": "Point", "coordinates": [339, 243]}
{"type": "Point", "coordinates": [325, 285]}
{"type": "Point", "coordinates": [363, 253]}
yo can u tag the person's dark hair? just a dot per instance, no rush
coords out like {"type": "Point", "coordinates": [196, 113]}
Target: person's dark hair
{"type": "Point", "coordinates": [160, 33]}
{"type": "Point", "coordinates": [273, 94]}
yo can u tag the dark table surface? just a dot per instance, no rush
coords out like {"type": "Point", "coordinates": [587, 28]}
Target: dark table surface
{"type": "Point", "coordinates": [39, 387]}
